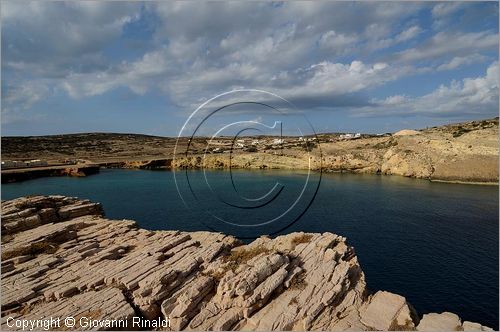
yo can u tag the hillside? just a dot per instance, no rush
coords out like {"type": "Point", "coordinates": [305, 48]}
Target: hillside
{"type": "Point", "coordinates": [466, 152]}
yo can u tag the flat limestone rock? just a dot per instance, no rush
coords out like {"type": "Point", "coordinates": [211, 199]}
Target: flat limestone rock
{"type": "Point", "coordinates": [385, 311]}
{"type": "Point", "coordinates": [63, 258]}
{"type": "Point", "coordinates": [445, 321]}
{"type": "Point", "coordinates": [470, 326]}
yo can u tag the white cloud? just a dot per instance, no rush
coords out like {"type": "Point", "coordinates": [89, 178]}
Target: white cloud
{"type": "Point", "coordinates": [477, 96]}
{"type": "Point", "coordinates": [314, 52]}
{"type": "Point", "coordinates": [459, 61]}
{"type": "Point", "coordinates": [295, 57]}
{"type": "Point", "coordinates": [140, 76]}
{"type": "Point", "coordinates": [395, 100]}
{"type": "Point", "coordinates": [447, 8]}
{"type": "Point", "coordinates": [325, 80]}
{"type": "Point", "coordinates": [54, 38]}
{"type": "Point", "coordinates": [445, 43]}
{"type": "Point", "coordinates": [337, 42]}
{"type": "Point", "coordinates": [408, 34]}
{"type": "Point", "coordinates": [19, 97]}
{"type": "Point", "coordinates": [25, 94]}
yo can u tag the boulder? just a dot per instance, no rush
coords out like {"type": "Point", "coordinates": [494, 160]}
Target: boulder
{"type": "Point", "coordinates": [445, 321]}
{"type": "Point", "coordinates": [387, 311]}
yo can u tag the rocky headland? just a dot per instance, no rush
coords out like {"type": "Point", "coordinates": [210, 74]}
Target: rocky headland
{"type": "Point", "coordinates": [61, 257]}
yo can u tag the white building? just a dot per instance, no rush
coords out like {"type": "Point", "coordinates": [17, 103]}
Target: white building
{"type": "Point", "coordinates": [350, 136]}
{"type": "Point", "coordinates": [36, 162]}
{"type": "Point", "coordinates": [278, 141]}
{"type": "Point", "coordinates": [346, 136]}
{"type": "Point", "coordinates": [9, 164]}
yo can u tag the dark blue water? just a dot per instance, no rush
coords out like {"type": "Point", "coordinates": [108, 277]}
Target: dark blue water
{"type": "Point", "coordinates": [434, 243]}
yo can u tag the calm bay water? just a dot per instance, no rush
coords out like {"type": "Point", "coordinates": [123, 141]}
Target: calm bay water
{"type": "Point", "coordinates": [434, 243]}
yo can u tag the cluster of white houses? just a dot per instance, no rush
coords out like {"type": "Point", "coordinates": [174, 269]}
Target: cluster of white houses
{"type": "Point", "coordinates": [25, 163]}
{"type": "Point", "coordinates": [251, 144]}
{"type": "Point", "coordinates": [350, 136]}
{"type": "Point", "coordinates": [221, 145]}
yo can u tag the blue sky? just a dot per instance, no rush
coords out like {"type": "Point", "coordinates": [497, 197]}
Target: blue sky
{"type": "Point", "coordinates": [144, 67]}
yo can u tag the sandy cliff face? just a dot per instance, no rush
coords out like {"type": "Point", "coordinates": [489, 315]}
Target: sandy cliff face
{"type": "Point", "coordinates": [466, 152]}
{"type": "Point", "coordinates": [61, 257]}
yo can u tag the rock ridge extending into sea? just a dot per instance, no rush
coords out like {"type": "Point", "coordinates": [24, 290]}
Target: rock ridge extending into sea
{"type": "Point", "coordinates": [61, 257]}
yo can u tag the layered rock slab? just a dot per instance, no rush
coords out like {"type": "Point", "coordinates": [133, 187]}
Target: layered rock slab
{"type": "Point", "coordinates": [68, 260]}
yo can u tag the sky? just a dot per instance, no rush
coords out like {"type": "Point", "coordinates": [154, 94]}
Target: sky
{"type": "Point", "coordinates": [134, 67]}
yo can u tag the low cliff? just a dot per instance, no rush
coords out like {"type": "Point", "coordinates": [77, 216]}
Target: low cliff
{"type": "Point", "coordinates": [61, 257]}
{"type": "Point", "coordinates": [16, 175]}
{"type": "Point", "coordinates": [465, 152]}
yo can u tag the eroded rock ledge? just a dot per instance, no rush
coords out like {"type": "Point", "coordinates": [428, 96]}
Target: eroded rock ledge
{"type": "Point", "coordinates": [61, 257]}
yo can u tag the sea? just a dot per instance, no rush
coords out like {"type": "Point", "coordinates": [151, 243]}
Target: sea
{"type": "Point", "coordinates": [437, 244]}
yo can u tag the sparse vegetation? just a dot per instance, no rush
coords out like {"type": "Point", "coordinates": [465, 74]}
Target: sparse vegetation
{"type": "Point", "coordinates": [242, 256]}
{"type": "Point", "coordinates": [386, 144]}
{"type": "Point", "coordinates": [235, 259]}
{"type": "Point", "coordinates": [309, 146]}
{"type": "Point", "coordinates": [460, 131]}
{"type": "Point", "coordinates": [303, 238]}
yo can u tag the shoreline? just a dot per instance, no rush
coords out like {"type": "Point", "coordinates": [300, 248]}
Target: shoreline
{"type": "Point", "coordinates": [458, 153]}
{"type": "Point", "coordinates": [18, 175]}
{"type": "Point", "coordinates": [199, 280]}
{"type": "Point", "coordinates": [476, 183]}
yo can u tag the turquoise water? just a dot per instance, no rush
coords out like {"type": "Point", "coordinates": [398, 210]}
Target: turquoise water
{"type": "Point", "coordinates": [434, 243]}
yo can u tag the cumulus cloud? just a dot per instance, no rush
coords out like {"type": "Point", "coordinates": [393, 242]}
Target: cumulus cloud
{"type": "Point", "coordinates": [314, 54]}
{"type": "Point", "coordinates": [268, 51]}
{"type": "Point", "coordinates": [337, 42]}
{"type": "Point", "coordinates": [139, 76]}
{"type": "Point", "coordinates": [477, 96]}
{"type": "Point", "coordinates": [52, 39]}
{"type": "Point", "coordinates": [325, 80]}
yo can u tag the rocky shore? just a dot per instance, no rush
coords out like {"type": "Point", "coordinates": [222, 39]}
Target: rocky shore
{"type": "Point", "coordinates": [61, 257]}
{"type": "Point", "coordinates": [16, 175]}
{"type": "Point", "coordinates": [464, 152]}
